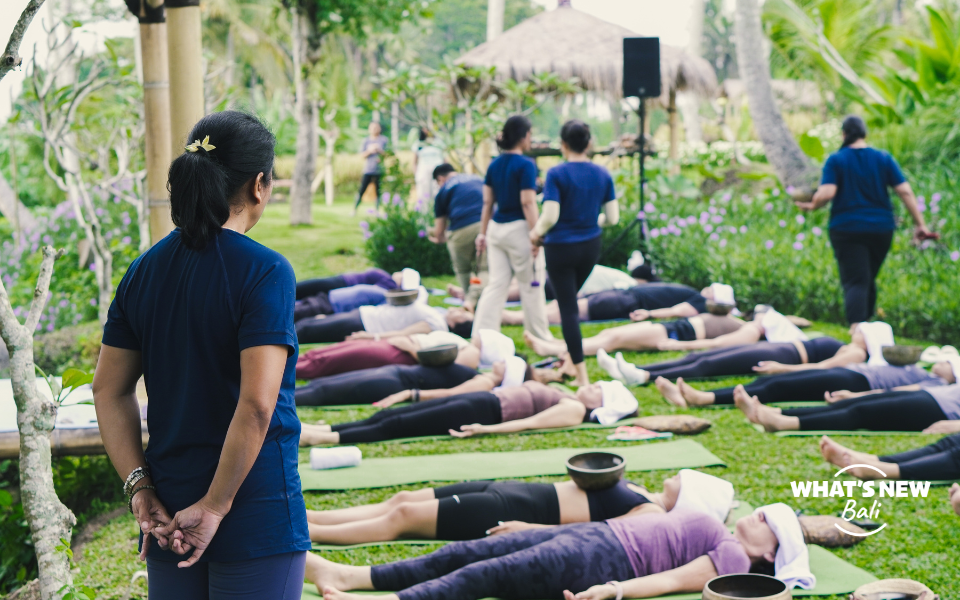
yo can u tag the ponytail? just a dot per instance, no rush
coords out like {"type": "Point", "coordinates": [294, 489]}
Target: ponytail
{"type": "Point", "coordinates": [514, 130]}
{"type": "Point", "coordinates": [854, 129]}
{"type": "Point", "coordinates": [204, 180]}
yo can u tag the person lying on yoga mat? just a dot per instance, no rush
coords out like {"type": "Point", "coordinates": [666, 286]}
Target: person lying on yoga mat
{"type": "Point", "coordinates": [387, 320]}
{"type": "Point", "coordinates": [761, 358]}
{"type": "Point", "coordinates": [374, 276]}
{"type": "Point", "coordinates": [832, 385]}
{"type": "Point", "coordinates": [933, 410]}
{"type": "Point", "coordinates": [939, 461]}
{"type": "Point", "coordinates": [509, 409]}
{"type": "Point", "coordinates": [767, 325]}
{"type": "Point", "coordinates": [337, 301]}
{"type": "Point", "coordinates": [476, 509]}
{"type": "Point", "coordinates": [639, 303]}
{"type": "Point", "coordinates": [634, 556]}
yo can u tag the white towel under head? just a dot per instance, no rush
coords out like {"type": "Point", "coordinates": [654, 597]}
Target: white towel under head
{"type": "Point", "coordinates": [954, 361]}
{"type": "Point", "coordinates": [636, 260]}
{"type": "Point", "coordinates": [494, 346]}
{"type": "Point", "coordinates": [336, 457]}
{"type": "Point", "coordinates": [778, 329]}
{"type": "Point", "coordinates": [935, 354]}
{"type": "Point", "coordinates": [515, 370]}
{"type": "Point", "coordinates": [705, 494]}
{"type": "Point", "coordinates": [876, 335]}
{"type": "Point", "coordinates": [723, 294]}
{"type": "Point", "coordinates": [409, 279]}
{"type": "Point", "coordinates": [618, 403]}
{"type": "Point", "coordinates": [792, 563]}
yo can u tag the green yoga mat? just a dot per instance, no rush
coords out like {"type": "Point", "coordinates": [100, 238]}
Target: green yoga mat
{"type": "Point", "coordinates": [837, 433]}
{"type": "Point", "coordinates": [383, 472]}
{"type": "Point", "coordinates": [776, 404]}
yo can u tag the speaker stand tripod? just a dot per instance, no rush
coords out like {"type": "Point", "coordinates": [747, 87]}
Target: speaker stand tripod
{"type": "Point", "coordinates": [641, 217]}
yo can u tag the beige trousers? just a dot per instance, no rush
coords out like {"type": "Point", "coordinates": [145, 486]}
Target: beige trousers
{"type": "Point", "coordinates": [508, 256]}
{"type": "Point", "coordinates": [463, 254]}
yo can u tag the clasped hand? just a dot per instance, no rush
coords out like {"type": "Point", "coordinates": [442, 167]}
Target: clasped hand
{"type": "Point", "coordinates": [190, 529]}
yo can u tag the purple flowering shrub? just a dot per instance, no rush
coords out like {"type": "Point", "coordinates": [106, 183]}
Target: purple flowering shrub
{"type": "Point", "coordinates": [398, 238]}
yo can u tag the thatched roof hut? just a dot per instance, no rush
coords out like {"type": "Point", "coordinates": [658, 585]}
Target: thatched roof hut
{"type": "Point", "coordinates": [571, 43]}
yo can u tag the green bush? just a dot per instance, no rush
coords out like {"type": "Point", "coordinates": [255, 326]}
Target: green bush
{"type": "Point", "coordinates": [398, 239]}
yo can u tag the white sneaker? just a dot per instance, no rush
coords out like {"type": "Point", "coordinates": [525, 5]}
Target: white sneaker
{"type": "Point", "coordinates": [632, 375]}
{"type": "Point", "coordinates": [609, 365]}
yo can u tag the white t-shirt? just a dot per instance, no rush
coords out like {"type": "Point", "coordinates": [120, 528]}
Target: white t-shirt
{"type": "Point", "coordinates": [386, 317]}
{"type": "Point", "coordinates": [438, 338]}
{"type": "Point", "coordinates": [604, 278]}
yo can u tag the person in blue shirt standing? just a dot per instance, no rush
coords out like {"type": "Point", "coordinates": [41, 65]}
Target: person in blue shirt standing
{"type": "Point", "coordinates": [511, 185]}
{"type": "Point", "coordinates": [457, 210]}
{"type": "Point", "coordinates": [862, 222]}
{"type": "Point", "coordinates": [569, 229]}
{"type": "Point", "coordinates": [206, 315]}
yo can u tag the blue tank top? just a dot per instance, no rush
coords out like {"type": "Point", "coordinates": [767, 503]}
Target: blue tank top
{"type": "Point", "coordinates": [614, 502]}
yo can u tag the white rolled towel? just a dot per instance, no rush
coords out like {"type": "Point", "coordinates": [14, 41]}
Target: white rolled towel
{"type": "Point", "coordinates": [336, 457]}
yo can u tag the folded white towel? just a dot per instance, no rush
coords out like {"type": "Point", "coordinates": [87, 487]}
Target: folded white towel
{"type": "Point", "coordinates": [935, 354]}
{"type": "Point", "coordinates": [723, 294]}
{"type": "Point", "coordinates": [516, 369]}
{"type": "Point", "coordinates": [636, 260]}
{"type": "Point", "coordinates": [336, 457]}
{"type": "Point", "coordinates": [792, 563]}
{"type": "Point", "coordinates": [705, 493]}
{"type": "Point", "coordinates": [876, 335]}
{"type": "Point", "coordinates": [618, 402]}
{"type": "Point", "coordinates": [409, 279]}
{"type": "Point", "coordinates": [778, 329]}
{"type": "Point", "coordinates": [494, 346]}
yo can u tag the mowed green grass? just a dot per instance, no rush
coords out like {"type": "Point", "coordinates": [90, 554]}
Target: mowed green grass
{"type": "Point", "coordinates": [919, 542]}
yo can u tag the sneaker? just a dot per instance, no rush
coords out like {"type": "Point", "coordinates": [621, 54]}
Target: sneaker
{"type": "Point", "coordinates": [609, 365]}
{"type": "Point", "coordinates": [632, 375]}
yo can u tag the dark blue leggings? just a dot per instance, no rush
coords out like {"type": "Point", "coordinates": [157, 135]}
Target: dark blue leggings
{"type": "Point", "coordinates": [936, 462]}
{"type": "Point", "coordinates": [887, 411]}
{"type": "Point", "coordinates": [276, 577]}
{"type": "Point", "coordinates": [568, 266]}
{"type": "Point", "coordinates": [536, 563]}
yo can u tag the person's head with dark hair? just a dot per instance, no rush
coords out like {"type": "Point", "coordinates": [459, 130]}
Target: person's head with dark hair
{"type": "Point", "coordinates": [854, 130]}
{"type": "Point", "coordinates": [225, 169]}
{"type": "Point", "coordinates": [645, 273]}
{"type": "Point", "coordinates": [575, 136]}
{"type": "Point", "coordinates": [424, 134]}
{"type": "Point", "coordinates": [460, 322]}
{"type": "Point", "coordinates": [442, 173]}
{"type": "Point", "coordinates": [515, 134]}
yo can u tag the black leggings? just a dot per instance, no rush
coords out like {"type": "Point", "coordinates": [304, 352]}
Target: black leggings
{"type": "Point", "coordinates": [859, 258]}
{"type": "Point", "coordinates": [568, 266]}
{"type": "Point", "coordinates": [738, 360]}
{"type": "Point", "coordinates": [888, 411]}
{"type": "Point", "coordinates": [370, 385]}
{"type": "Point", "coordinates": [333, 328]}
{"type": "Point", "coordinates": [936, 462]}
{"type": "Point", "coordinates": [467, 510]}
{"type": "Point", "coordinates": [430, 417]}
{"type": "Point", "coordinates": [312, 287]}
{"type": "Point", "coordinates": [799, 386]}
{"type": "Point", "coordinates": [365, 182]}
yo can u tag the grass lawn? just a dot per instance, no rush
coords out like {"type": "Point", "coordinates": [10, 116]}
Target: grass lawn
{"type": "Point", "coordinates": [919, 542]}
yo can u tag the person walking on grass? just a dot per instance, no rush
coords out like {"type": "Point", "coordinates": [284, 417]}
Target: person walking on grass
{"type": "Point", "coordinates": [206, 316]}
{"type": "Point", "coordinates": [457, 210]}
{"type": "Point", "coordinates": [511, 185]}
{"type": "Point", "coordinates": [577, 199]}
{"type": "Point", "coordinates": [373, 146]}
{"type": "Point", "coordinates": [855, 179]}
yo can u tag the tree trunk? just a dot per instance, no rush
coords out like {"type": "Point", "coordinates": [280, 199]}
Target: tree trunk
{"type": "Point", "coordinates": [50, 521]}
{"type": "Point", "coordinates": [328, 170]}
{"type": "Point", "coordinates": [13, 209]}
{"type": "Point", "coordinates": [792, 166]}
{"type": "Point", "coordinates": [495, 10]}
{"type": "Point", "coordinates": [301, 199]}
{"type": "Point", "coordinates": [395, 125]}
{"type": "Point", "coordinates": [674, 133]}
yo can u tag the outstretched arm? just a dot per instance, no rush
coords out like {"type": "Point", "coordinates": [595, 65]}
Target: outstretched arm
{"type": "Point", "coordinates": [691, 577]}
{"type": "Point", "coordinates": [684, 309]}
{"type": "Point", "coordinates": [567, 413]}
{"type": "Point", "coordinates": [418, 327]}
{"type": "Point", "coordinates": [480, 383]}
{"type": "Point", "coordinates": [821, 197]}
{"type": "Point", "coordinates": [846, 355]}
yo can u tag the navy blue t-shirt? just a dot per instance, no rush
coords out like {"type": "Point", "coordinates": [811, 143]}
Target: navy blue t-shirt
{"type": "Point", "coordinates": [460, 200]}
{"type": "Point", "coordinates": [508, 175]}
{"type": "Point", "coordinates": [190, 313]}
{"type": "Point", "coordinates": [862, 176]}
{"type": "Point", "coordinates": [581, 188]}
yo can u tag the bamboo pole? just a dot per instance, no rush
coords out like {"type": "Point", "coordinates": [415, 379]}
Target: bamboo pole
{"type": "Point", "coordinates": [156, 106]}
{"type": "Point", "coordinates": [674, 133]}
{"type": "Point", "coordinates": [82, 441]}
{"type": "Point", "coordinates": [185, 52]}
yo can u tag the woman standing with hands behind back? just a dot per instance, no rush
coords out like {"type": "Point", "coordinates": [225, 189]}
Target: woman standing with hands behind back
{"type": "Point", "coordinates": [856, 179]}
{"type": "Point", "coordinates": [206, 315]}
{"type": "Point", "coordinates": [569, 229]}
{"type": "Point", "coordinates": [511, 184]}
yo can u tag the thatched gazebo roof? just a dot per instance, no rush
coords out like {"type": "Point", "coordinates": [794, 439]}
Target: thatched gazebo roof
{"type": "Point", "coordinates": [571, 43]}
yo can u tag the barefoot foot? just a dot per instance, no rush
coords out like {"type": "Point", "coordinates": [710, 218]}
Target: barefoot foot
{"type": "Point", "coordinates": [746, 403]}
{"type": "Point", "coordinates": [693, 396]}
{"type": "Point", "coordinates": [543, 347]}
{"type": "Point", "coordinates": [670, 392]}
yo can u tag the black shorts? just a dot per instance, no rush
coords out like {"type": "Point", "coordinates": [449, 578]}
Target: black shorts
{"type": "Point", "coordinates": [611, 305]}
{"type": "Point", "coordinates": [467, 510]}
{"type": "Point", "coordinates": [680, 330]}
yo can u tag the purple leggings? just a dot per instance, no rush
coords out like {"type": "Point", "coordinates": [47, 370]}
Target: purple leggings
{"type": "Point", "coordinates": [276, 577]}
{"type": "Point", "coordinates": [536, 563]}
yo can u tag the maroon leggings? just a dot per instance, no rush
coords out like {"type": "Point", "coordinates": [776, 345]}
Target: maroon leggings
{"type": "Point", "coordinates": [352, 355]}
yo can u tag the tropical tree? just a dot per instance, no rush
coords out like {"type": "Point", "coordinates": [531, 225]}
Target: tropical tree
{"type": "Point", "coordinates": [792, 166]}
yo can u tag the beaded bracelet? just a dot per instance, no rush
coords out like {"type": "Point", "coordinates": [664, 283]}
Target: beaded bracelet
{"type": "Point", "coordinates": [139, 489]}
{"type": "Point", "coordinates": [132, 479]}
{"type": "Point", "coordinates": [616, 585]}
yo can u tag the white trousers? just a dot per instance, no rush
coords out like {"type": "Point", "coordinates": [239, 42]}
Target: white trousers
{"type": "Point", "coordinates": [509, 255]}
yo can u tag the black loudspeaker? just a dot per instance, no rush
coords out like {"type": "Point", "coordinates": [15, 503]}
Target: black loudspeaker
{"type": "Point", "coordinates": [641, 67]}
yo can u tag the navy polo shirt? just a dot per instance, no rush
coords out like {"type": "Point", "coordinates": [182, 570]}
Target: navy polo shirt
{"type": "Point", "coordinates": [508, 175]}
{"type": "Point", "coordinates": [190, 313]}
{"type": "Point", "coordinates": [862, 176]}
{"type": "Point", "coordinates": [581, 188]}
{"type": "Point", "coordinates": [460, 200]}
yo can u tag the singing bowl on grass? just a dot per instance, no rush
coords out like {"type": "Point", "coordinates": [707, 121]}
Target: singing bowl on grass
{"type": "Point", "coordinates": [402, 297]}
{"type": "Point", "coordinates": [757, 587]}
{"type": "Point", "coordinates": [902, 355]}
{"type": "Point", "coordinates": [721, 310]}
{"type": "Point", "coordinates": [594, 471]}
{"type": "Point", "coordinates": [438, 356]}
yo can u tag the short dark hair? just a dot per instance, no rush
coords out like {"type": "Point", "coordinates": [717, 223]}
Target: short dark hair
{"type": "Point", "coordinates": [645, 272]}
{"type": "Point", "coordinates": [424, 134]}
{"type": "Point", "coordinates": [441, 170]}
{"type": "Point", "coordinates": [514, 130]}
{"type": "Point", "coordinates": [576, 134]}
{"type": "Point", "coordinates": [854, 129]}
{"type": "Point", "coordinates": [464, 329]}
{"type": "Point", "coordinates": [203, 183]}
